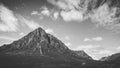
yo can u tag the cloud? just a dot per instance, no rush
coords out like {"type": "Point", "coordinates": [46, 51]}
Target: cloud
{"type": "Point", "coordinates": [30, 23]}
{"type": "Point", "coordinates": [118, 48]}
{"type": "Point", "coordinates": [51, 31]}
{"type": "Point", "coordinates": [7, 38]}
{"type": "Point", "coordinates": [97, 39]}
{"type": "Point", "coordinates": [80, 10]}
{"type": "Point", "coordinates": [21, 33]}
{"type": "Point", "coordinates": [56, 15]}
{"type": "Point", "coordinates": [87, 47]}
{"type": "Point", "coordinates": [93, 39]}
{"type": "Point", "coordinates": [68, 4]}
{"type": "Point", "coordinates": [105, 52]}
{"type": "Point", "coordinates": [11, 22]}
{"type": "Point", "coordinates": [70, 9]}
{"type": "Point", "coordinates": [8, 21]}
{"type": "Point", "coordinates": [45, 11]}
{"type": "Point", "coordinates": [35, 13]}
{"type": "Point", "coordinates": [67, 38]}
{"type": "Point", "coordinates": [86, 40]}
{"type": "Point", "coordinates": [105, 15]}
{"type": "Point", "coordinates": [68, 44]}
{"type": "Point", "coordinates": [72, 15]}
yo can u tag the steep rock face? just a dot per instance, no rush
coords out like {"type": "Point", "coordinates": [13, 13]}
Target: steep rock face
{"type": "Point", "coordinates": [41, 43]}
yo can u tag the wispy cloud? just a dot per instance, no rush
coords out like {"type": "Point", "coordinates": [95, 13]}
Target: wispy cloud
{"type": "Point", "coordinates": [49, 30]}
{"type": "Point", "coordinates": [87, 47]}
{"type": "Point", "coordinates": [8, 20]}
{"type": "Point", "coordinates": [68, 44]}
{"type": "Point", "coordinates": [30, 23]}
{"type": "Point", "coordinates": [118, 48]}
{"type": "Point", "coordinates": [93, 39]}
{"type": "Point", "coordinates": [97, 39]}
{"type": "Point", "coordinates": [105, 52]}
{"type": "Point", "coordinates": [87, 39]}
{"type": "Point", "coordinates": [67, 38]}
{"type": "Point", "coordinates": [21, 33]}
{"type": "Point", "coordinates": [8, 38]}
{"type": "Point", "coordinates": [11, 22]}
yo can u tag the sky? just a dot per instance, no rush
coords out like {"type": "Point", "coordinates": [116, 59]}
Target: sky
{"type": "Point", "coordinates": [86, 25]}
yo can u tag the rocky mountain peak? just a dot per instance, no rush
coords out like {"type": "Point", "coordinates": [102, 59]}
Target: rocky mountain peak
{"type": "Point", "coordinates": [38, 42]}
{"type": "Point", "coordinates": [39, 32]}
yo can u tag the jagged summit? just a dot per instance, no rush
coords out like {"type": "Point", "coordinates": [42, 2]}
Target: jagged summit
{"type": "Point", "coordinates": [38, 32]}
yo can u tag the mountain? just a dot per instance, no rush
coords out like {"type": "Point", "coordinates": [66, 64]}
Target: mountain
{"type": "Point", "coordinates": [41, 43]}
{"type": "Point", "coordinates": [113, 57]}
{"type": "Point", "coordinates": [39, 48]}
{"type": "Point", "coordinates": [113, 60]}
